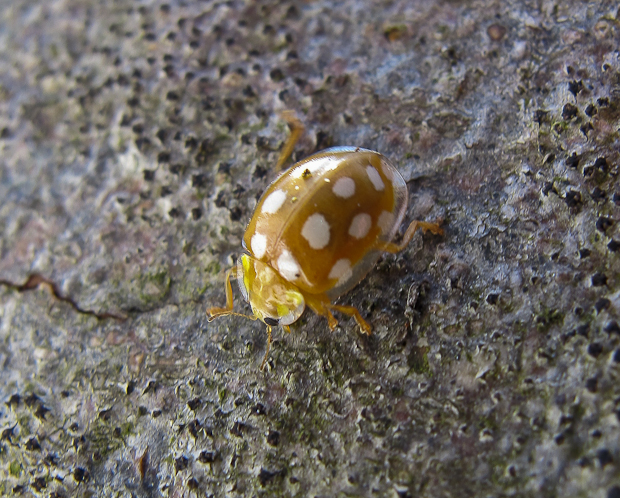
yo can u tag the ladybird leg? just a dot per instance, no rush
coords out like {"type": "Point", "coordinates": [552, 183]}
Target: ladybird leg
{"type": "Point", "coordinates": [354, 312]}
{"type": "Point", "coordinates": [262, 365]}
{"type": "Point", "coordinates": [331, 321]}
{"type": "Point", "coordinates": [297, 128]}
{"type": "Point", "coordinates": [228, 310]}
{"type": "Point", "coordinates": [215, 311]}
{"type": "Point", "coordinates": [322, 306]}
{"type": "Point", "coordinates": [318, 305]}
{"type": "Point", "coordinates": [411, 230]}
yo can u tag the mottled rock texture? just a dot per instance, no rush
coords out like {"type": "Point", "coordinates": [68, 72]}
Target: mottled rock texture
{"type": "Point", "coordinates": [135, 138]}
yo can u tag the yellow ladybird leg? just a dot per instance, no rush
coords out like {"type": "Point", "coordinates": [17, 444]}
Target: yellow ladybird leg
{"type": "Point", "coordinates": [297, 129]}
{"type": "Point", "coordinates": [228, 310]}
{"type": "Point", "coordinates": [322, 306]}
{"type": "Point", "coordinates": [411, 230]}
{"type": "Point", "coordinates": [215, 311]}
{"type": "Point", "coordinates": [331, 321]}
{"type": "Point", "coordinates": [262, 365]}
{"type": "Point", "coordinates": [319, 306]}
{"type": "Point", "coordinates": [354, 312]}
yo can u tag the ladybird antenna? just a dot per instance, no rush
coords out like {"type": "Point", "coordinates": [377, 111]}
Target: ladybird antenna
{"type": "Point", "coordinates": [262, 365]}
{"type": "Point", "coordinates": [249, 317]}
{"type": "Point", "coordinates": [213, 313]}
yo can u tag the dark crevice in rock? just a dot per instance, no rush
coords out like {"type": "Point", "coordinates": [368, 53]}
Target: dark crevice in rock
{"type": "Point", "coordinates": [35, 280]}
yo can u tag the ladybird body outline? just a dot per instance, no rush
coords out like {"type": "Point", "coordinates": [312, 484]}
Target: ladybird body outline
{"type": "Point", "coordinates": [320, 223]}
{"type": "Point", "coordinates": [315, 233]}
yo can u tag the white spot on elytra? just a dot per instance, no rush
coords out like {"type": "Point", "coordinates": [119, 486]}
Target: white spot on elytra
{"type": "Point", "coordinates": [288, 266]}
{"type": "Point", "coordinates": [341, 270]}
{"type": "Point", "coordinates": [387, 171]}
{"type": "Point", "coordinates": [316, 166]}
{"type": "Point", "coordinates": [344, 187]}
{"type": "Point", "coordinates": [385, 221]}
{"type": "Point", "coordinates": [274, 202]}
{"type": "Point", "coordinates": [258, 244]}
{"type": "Point", "coordinates": [375, 178]}
{"type": "Point", "coordinates": [360, 226]}
{"type": "Point", "coordinates": [316, 231]}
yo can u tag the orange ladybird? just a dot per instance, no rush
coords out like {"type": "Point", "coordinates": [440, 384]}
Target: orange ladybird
{"type": "Point", "coordinates": [315, 233]}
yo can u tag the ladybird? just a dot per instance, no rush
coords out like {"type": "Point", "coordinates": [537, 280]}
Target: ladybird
{"type": "Point", "coordinates": [316, 232]}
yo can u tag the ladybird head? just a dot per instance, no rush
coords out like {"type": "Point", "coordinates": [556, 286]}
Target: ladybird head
{"type": "Point", "coordinates": [274, 300]}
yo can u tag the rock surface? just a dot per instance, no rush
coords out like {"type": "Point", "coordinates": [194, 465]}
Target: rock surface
{"type": "Point", "coordinates": [135, 139]}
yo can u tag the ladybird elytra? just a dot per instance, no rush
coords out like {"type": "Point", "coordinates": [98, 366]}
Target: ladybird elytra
{"type": "Point", "coordinates": [315, 233]}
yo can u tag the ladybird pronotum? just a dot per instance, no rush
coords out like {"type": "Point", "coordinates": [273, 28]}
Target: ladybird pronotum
{"type": "Point", "coordinates": [315, 233]}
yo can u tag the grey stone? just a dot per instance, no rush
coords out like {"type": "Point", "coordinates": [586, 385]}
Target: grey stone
{"type": "Point", "coordinates": [135, 139]}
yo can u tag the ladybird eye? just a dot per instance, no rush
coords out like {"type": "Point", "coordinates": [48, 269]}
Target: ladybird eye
{"type": "Point", "coordinates": [271, 321]}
